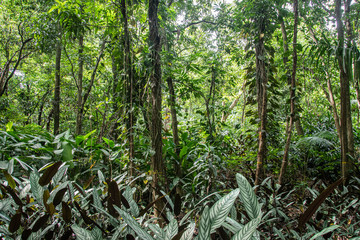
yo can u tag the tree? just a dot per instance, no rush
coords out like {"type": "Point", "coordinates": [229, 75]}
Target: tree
{"type": "Point", "coordinates": [157, 165]}
{"type": "Point", "coordinates": [292, 96]}
{"type": "Point", "coordinates": [346, 134]}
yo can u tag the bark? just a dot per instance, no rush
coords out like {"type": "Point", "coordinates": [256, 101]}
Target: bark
{"type": "Point", "coordinates": [157, 165]}
{"type": "Point", "coordinates": [349, 38]}
{"type": "Point", "coordinates": [210, 112]}
{"type": "Point", "coordinates": [333, 106]}
{"type": "Point", "coordinates": [130, 89]}
{"type": "Point", "coordinates": [262, 80]}
{"type": "Point", "coordinates": [49, 119]}
{"type": "Point", "coordinates": [344, 94]}
{"type": "Point", "coordinates": [41, 109]}
{"type": "Point", "coordinates": [57, 86]}
{"type": "Point", "coordinates": [79, 84]}
{"type": "Point", "coordinates": [174, 124]}
{"type": "Point", "coordinates": [297, 122]}
{"type": "Point", "coordinates": [292, 97]}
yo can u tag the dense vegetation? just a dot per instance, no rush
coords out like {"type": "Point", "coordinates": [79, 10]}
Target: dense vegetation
{"type": "Point", "coordinates": [179, 119]}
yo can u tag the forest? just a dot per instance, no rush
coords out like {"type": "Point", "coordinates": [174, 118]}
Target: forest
{"type": "Point", "coordinates": [179, 119]}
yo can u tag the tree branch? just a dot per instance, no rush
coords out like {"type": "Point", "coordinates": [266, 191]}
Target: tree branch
{"type": "Point", "coordinates": [23, 43]}
{"type": "Point", "coordinates": [94, 74]}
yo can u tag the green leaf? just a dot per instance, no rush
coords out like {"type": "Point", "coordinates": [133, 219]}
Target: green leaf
{"type": "Point", "coordinates": [248, 197]}
{"type": "Point", "coordinates": [9, 126]}
{"type": "Point", "coordinates": [134, 225]}
{"type": "Point", "coordinates": [128, 194]}
{"type": "Point", "coordinates": [183, 151]}
{"type": "Point", "coordinates": [10, 180]}
{"type": "Point", "coordinates": [325, 231]}
{"type": "Point", "coordinates": [3, 165]}
{"type": "Point", "coordinates": [248, 230]}
{"type": "Point", "coordinates": [81, 233]}
{"type": "Point", "coordinates": [67, 153]}
{"type": "Point", "coordinates": [205, 225]}
{"type": "Point", "coordinates": [189, 232]}
{"type": "Point", "coordinates": [109, 142]}
{"type": "Point", "coordinates": [172, 229]}
{"type": "Point", "coordinates": [220, 210]}
{"type": "Point", "coordinates": [36, 188]}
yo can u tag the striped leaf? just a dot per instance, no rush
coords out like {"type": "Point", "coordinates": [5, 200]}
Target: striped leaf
{"type": "Point", "coordinates": [205, 225]}
{"type": "Point", "coordinates": [134, 225]}
{"type": "Point", "coordinates": [324, 231]}
{"type": "Point", "coordinates": [36, 188]}
{"type": "Point", "coordinates": [220, 210]}
{"type": "Point", "coordinates": [81, 233]}
{"type": "Point", "coordinates": [158, 231]}
{"type": "Point", "coordinates": [188, 234]}
{"type": "Point", "coordinates": [248, 197]}
{"type": "Point", "coordinates": [248, 230]}
{"type": "Point", "coordinates": [172, 230]}
{"type": "Point", "coordinates": [128, 194]}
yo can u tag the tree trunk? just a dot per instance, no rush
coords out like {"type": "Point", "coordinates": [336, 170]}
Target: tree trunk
{"type": "Point", "coordinates": [262, 80]}
{"type": "Point", "coordinates": [297, 122]}
{"type": "Point", "coordinates": [349, 38]}
{"type": "Point", "coordinates": [292, 97]}
{"type": "Point", "coordinates": [79, 84]}
{"type": "Point", "coordinates": [174, 125]}
{"type": "Point", "coordinates": [157, 165]}
{"type": "Point", "coordinates": [344, 93]}
{"type": "Point", "coordinates": [130, 89]}
{"type": "Point", "coordinates": [57, 85]}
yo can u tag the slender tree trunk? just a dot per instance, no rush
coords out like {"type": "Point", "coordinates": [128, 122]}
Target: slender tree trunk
{"type": "Point", "coordinates": [262, 80]}
{"type": "Point", "coordinates": [57, 85]}
{"type": "Point", "coordinates": [333, 106]}
{"type": "Point", "coordinates": [210, 112]}
{"type": "Point", "coordinates": [79, 116]}
{"type": "Point", "coordinates": [349, 38]}
{"type": "Point", "coordinates": [41, 109]}
{"type": "Point", "coordinates": [48, 122]}
{"type": "Point", "coordinates": [175, 132]}
{"type": "Point", "coordinates": [130, 88]}
{"type": "Point", "coordinates": [292, 97]}
{"type": "Point", "coordinates": [297, 121]}
{"type": "Point", "coordinates": [344, 93]}
{"type": "Point", "coordinates": [157, 165]}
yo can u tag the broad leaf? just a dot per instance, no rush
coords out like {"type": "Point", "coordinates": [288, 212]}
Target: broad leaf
{"type": "Point", "coordinates": [248, 197]}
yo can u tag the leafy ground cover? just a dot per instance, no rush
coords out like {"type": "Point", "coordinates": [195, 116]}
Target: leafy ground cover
{"type": "Point", "coordinates": [61, 187]}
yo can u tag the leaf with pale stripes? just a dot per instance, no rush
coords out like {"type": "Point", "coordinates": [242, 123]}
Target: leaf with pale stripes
{"type": "Point", "coordinates": [134, 225]}
{"type": "Point", "coordinates": [248, 197]}
{"type": "Point", "coordinates": [248, 230]}
{"type": "Point", "coordinates": [205, 225]}
{"type": "Point", "coordinates": [172, 229]}
{"type": "Point", "coordinates": [220, 210]}
{"type": "Point", "coordinates": [188, 234]}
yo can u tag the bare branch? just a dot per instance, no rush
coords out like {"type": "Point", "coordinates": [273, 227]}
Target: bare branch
{"type": "Point", "coordinates": [72, 68]}
{"type": "Point", "coordinates": [23, 43]}
{"type": "Point", "coordinates": [93, 75]}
